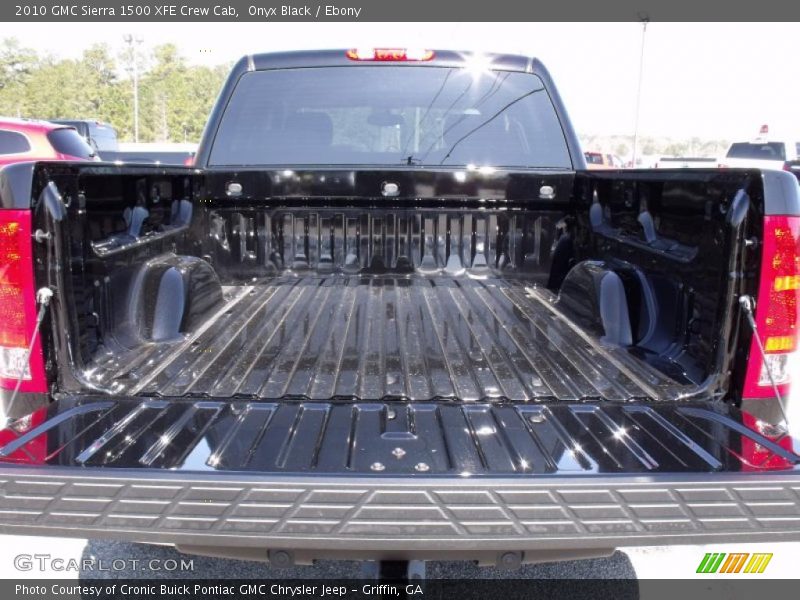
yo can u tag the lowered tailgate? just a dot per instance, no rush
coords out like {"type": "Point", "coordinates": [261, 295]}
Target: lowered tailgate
{"type": "Point", "coordinates": [411, 478]}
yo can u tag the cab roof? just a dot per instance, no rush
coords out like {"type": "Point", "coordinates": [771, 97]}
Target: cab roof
{"type": "Point", "coordinates": [338, 57]}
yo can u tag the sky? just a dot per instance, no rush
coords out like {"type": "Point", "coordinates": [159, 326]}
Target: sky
{"type": "Point", "coordinates": [709, 80]}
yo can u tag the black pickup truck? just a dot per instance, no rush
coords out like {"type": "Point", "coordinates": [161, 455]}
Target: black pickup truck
{"type": "Point", "coordinates": [390, 315]}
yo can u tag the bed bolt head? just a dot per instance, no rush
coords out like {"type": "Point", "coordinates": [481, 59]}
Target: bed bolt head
{"type": "Point", "coordinates": [510, 560]}
{"type": "Point", "coordinates": [399, 452]}
{"type": "Point", "coordinates": [422, 467]}
{"type": "Point", "coordinates": [376, 466]}
{"type": "Point", "coordinates": [280, 559]}
{"type": "Point", "coordinates": [537, 418]}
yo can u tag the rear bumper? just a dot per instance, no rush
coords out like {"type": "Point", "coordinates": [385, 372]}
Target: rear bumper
{"type": "Point", "coordinates": [369, 480]}
{"type": "Point", "coordinates": [372, 514]}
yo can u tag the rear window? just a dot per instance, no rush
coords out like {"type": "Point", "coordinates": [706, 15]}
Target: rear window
{"type": "Point", "coordinates": [758, 151]}
{"type": "Point", "coordinates": [382, 115]}
{"type": "Point", "coordinates": [70, 142]}
{"type": "Point", "coordinates": [12, 142]}
{"type": "Point", "coordinates": [104, 137]}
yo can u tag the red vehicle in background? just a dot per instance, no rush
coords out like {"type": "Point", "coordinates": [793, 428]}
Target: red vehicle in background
{"type": "Point", "coordinates": [27, 139]}
{"type": "Point", "coordinates": [600, 160]}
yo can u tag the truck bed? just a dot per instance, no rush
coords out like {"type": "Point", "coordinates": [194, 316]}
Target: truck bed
{"type": "Point", "coordinates": [381, 337]}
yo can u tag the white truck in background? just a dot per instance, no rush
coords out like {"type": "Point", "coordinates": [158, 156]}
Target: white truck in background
{"type": "Point", "coordinates": [766, 151]}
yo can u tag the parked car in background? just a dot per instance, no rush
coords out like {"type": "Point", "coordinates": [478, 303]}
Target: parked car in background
{"type": "Point", "coordinates": [601, 160]}
{"type": "Point", "coordinates": [320, 343]}
{"type": "Point", "coordinates": [686, 162]}
{"type": "Point", "coordinates": [597, 160]}
{"type": "Point", "coordinates": [27, 139]}
{"type": "Point", "coordinates": [766, 151]}
{"type": "Point", "coordinates": [100, 136]}
{"type": "Point", "coordinates": [160, 153]}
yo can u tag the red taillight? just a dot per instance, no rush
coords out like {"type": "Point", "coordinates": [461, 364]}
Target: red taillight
{"type": "Point", "coordinates": [35, 451]}
{"type": "Point", "coordinates": [776, 309]}
{"type": "Point", "coordinates": [389, 54]}
{"type": "Point", "coordinates": [18, 305]}
{"type": "Point", "coordinates": [754, 456]}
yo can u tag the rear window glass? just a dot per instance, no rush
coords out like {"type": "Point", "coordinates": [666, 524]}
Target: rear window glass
{"type": "Point", "coordinates": [70, 142]}
{"type": "Point", "coordinates": [12, 142]}
{"type": "Point", "coordinates": [104, 137]}
{"type": "Point", "coordinates": [758, 151]}
{"type": "Point", "coordinates": [368, 115]}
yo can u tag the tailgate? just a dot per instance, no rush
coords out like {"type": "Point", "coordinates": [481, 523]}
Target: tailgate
{"type": "Point", "coordinates": [410, 478]}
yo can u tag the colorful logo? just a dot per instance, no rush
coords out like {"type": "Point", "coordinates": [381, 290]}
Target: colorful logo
{"type": "Point", "coordinates": [735, 562]}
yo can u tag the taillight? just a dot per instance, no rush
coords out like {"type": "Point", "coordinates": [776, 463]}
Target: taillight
{"type": "Point", "coordinates": [754, 456]}
{"type": "Point", "coordinates": [35, 451]}
{"type": "Point", "coordinates": [18, 306]}
{"type": "Point", "coordinates": [389, 54]}
{"type": "Point", "coordinates": [776, 313]}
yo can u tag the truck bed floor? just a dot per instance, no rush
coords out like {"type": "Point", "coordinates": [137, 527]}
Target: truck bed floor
{"type": "Point", "coordinates": [381, 337]}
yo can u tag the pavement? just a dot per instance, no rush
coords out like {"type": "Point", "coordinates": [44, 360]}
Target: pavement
{"type": "Point", "coordinates": [662, 562]}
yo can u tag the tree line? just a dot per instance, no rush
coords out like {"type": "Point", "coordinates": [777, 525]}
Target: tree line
{"type": "Point", "coordinates": [175, 97]}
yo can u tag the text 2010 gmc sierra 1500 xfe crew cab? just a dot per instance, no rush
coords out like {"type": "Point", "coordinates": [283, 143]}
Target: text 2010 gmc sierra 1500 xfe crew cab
{"type": "Point", "coordinates": [390, 315]}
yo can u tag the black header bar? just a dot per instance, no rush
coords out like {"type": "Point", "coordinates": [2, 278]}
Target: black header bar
{"type": "Point", "coordinates": [397, 10]}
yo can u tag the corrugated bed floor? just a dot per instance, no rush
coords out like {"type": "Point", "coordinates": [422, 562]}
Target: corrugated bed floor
{"type": "Point", "coordinates": [378, 337]}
